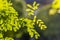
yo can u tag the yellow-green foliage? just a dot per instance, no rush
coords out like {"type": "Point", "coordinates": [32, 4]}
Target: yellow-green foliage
{"type": "Point", "coordinates": [31, 23]}
{"type": "Point", "coordinates": [55, 7]}
{"type": "Point", "coordinates": [56, 4]}
{"type": "Point", "coordinates": [31, 9]}
{"type": "Point", "coordinates": [9, 20]}
{"type": "Point", "coordinates": [8, 17]}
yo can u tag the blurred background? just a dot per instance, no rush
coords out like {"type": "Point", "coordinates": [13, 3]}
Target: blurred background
{"type": "Point", "coordinates": [52, 21]}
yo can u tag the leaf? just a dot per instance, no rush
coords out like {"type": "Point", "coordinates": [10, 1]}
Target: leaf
{"type": "Point", "coordinates": [28, 5]}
